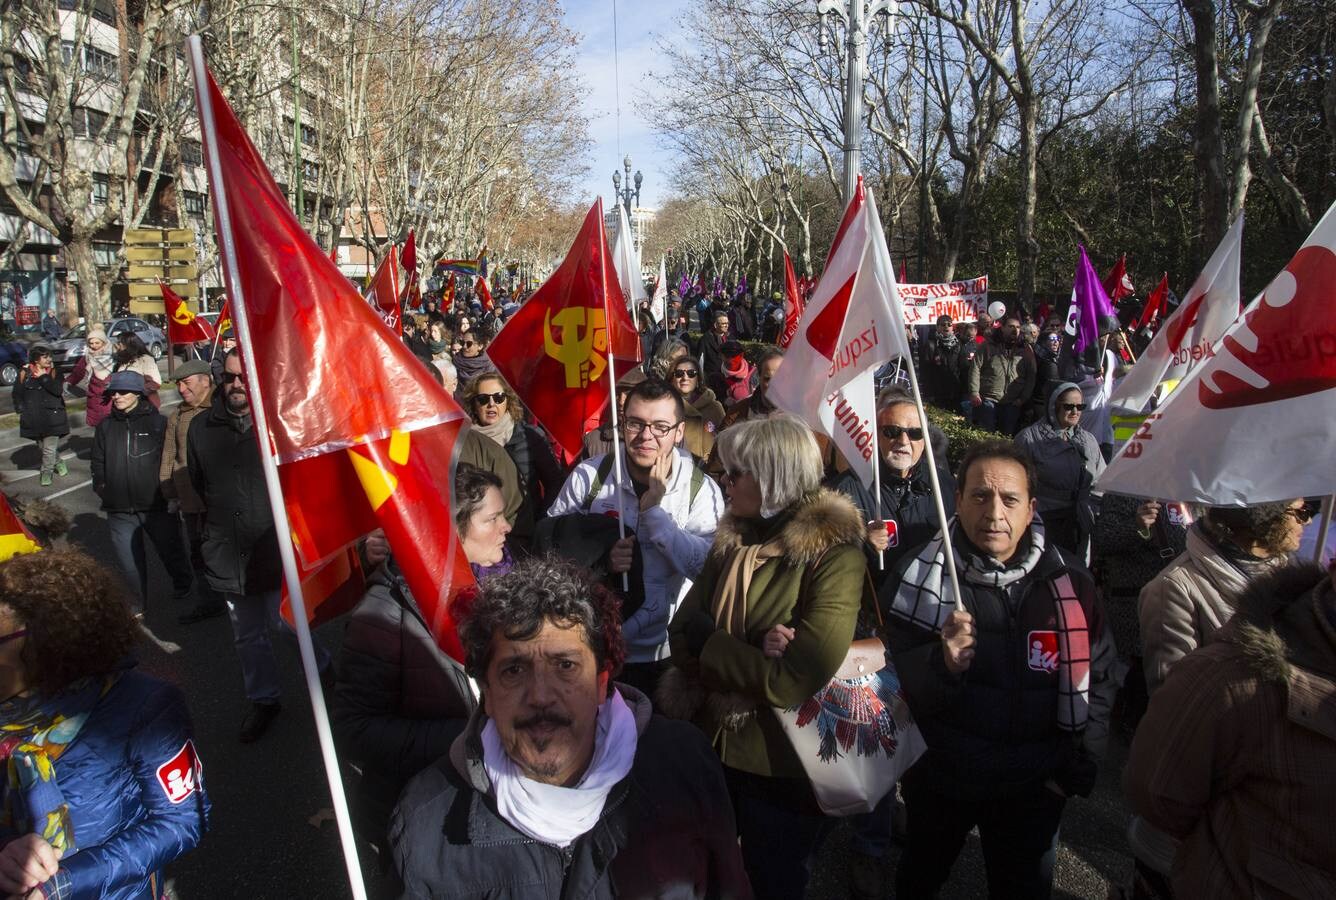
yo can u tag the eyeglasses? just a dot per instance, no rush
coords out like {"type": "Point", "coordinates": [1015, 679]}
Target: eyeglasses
{"type": "Point", "coordinates": [13, 636]}
{"type": "Point", "coordinates": [1306, 513]}
{"type": "Point", "coordinates": [467, 344]}
{"type": "Point", "coordinates": [229, 377]}
{"type": "Point", "coordinates": [686, 373]}
{"type": "Point", "coordinates": [497, 399]}
{"type": "Point", "coordinates": [893, 432]}
{"type": "Point", "coordinates": [634, 427]}
{"type": "Point", "coordinates": [1071, 407]}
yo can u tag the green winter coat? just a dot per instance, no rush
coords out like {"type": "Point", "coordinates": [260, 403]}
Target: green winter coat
{"type": "Point", "coordinates": [1002, 374]}
{"type": "Point", "coordinates": [816, 588]}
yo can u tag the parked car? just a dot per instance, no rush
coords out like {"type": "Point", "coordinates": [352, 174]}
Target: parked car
{"type": "Point", "coordinates": [66, 351]}
{"type": "Point", "coordinates": [13, 357]}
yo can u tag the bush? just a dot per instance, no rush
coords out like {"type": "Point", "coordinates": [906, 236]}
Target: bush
{"type": "Point", "coordinates": [961, 434]}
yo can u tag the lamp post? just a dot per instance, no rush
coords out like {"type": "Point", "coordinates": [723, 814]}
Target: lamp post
{"type": "Point", "coordinates": [624, 196]}
{"type": "Point", "coordinates": [857, 14]}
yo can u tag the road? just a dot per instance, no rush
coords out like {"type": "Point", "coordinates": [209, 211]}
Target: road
{"type": "Point", "coordinates": [272, 834]}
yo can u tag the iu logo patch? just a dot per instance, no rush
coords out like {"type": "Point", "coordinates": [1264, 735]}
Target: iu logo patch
{"type": "Point", "coordinates": [893, 533]}
{"type": "Point", "coordinates": [181, 775]}
{"type": "Point", "coordinates": [1042, 650]}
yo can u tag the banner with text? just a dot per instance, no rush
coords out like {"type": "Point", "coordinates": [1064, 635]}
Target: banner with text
{"type": "Point", "coordinates": [961, 300]}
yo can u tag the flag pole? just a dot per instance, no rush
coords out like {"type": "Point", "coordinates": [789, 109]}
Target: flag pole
{"type": "Point", "coordinates": [947, 549]}
{"type": "Point", "coordinates": [324, 733]}
{"type": "Point", "coordinates": [876, 473]}
{"type": "Point", "coordinates": [1324, 527]}
{"type": "Point", "coordinates": [617, 475]}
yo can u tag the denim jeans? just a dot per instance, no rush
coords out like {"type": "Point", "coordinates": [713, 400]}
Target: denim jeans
{"type": "Point", "coordinates": [253, 616]}
{"type": "Point", "coordinates": [1000, 417]}
{"type": "Point", "coordinates": [780, 829]}
{"type": "Point", "coordinates": [872, 831]}
{"type": "Point", "coordinates": [127, 540]}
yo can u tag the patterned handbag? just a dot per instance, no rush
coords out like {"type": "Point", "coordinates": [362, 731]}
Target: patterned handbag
{"type": "Point", "coordinates": [855, 737]}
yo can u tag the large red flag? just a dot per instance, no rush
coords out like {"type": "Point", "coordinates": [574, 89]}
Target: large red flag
{"type": "Point", "coordinates": [483, 293]}
{"type": "Point", "coordinates": [183, 326]}
{"type": "Point", "coordinates": [224, 323]}
{"type": "Point", "coordinates": [793, 303]}
{"type": "Point", "coordinates": [363, 435]}
{"type": "Point", "coordinates": [554, 351]}
{"type": "Point", "coordinates": [384, 293]}
{"type": "Point", "coordinates": [412, 298]}
{"type": "Point", "coordinates": [1155, 306]}
{"type": "Point", "coordinates": [1117, 284]}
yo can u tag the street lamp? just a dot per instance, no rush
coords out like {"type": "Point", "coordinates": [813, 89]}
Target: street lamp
{"type": "Point", "coordinates": [856, 15]}
{"type": "Point", "coordinates": [625, 196]}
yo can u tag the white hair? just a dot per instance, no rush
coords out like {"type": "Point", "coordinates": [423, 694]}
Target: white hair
{"type": "Point", "coordinates": [780, 453]}
{"type": "Point", "coordinates": [446, 368]}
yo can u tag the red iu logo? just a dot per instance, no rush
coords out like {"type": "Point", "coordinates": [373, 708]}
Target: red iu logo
{"type": "Point", "coordinates": [1287, 345]}
{"type": "Point", "coordinates": [1042, 651]}
{"type": "Point", "coordinates": [181, 775]}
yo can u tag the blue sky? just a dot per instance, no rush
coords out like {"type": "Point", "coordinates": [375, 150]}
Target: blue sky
{"type": "Point", "coordinates": [639, 24]}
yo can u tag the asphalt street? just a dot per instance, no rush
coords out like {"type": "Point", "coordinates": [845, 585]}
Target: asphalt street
{"type": "Point", "coordinates": [272, 833]}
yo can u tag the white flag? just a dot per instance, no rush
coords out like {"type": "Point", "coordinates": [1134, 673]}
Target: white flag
{"type": "Point", "coordinates": [1255, 422]}
{"type": "Point", "coordinates": [627, 262]}
{"type": "Point", "coordinates": [658, 303]}
{"type": "Point", "coordinates": [1187, 338]}
{"type": "Point", "coordinates": [851, 327]}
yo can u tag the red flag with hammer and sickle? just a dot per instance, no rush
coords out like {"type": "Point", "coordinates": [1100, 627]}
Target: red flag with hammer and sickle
{"type": "Point", "coordinates": [183, 326]}
{"type": "Point", "coordinates": [554, 352]}
{"type": "Point", "coordinates": [363, 435]}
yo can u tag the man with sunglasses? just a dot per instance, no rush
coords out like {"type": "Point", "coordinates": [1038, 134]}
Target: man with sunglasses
{"type": "Point", "coordinates": [240, 545]}
{"type": "Point", "coordinates": [669, 504]}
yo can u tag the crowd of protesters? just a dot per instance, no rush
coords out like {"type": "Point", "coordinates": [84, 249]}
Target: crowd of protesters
{"type": "Point", "coordinates": [643, 600]}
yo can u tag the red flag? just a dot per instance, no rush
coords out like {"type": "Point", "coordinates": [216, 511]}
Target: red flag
{"type": "Point", "coordinates": [409, 257]}
{"type": "Point", "coordinates": [334, 254]}
{"type": "Point", "coordinates": [793, 304]}
{"type": "Point", "coordinates": [1155, 304]}
{"type": "Point", "coordinates": [554, 351]}
{"type": "Point", "coordinates": [448, 295]}
{"type": "Point", "coordinates": [384, 292]}
{"type": "Point", "coordinates": [904, 271]}
{"type": "Point", "coordinates": [483, 293]}
{"type": "Point", "coordinates": [15, 538]}
{"type": "Point", "coordinates": [183, 326]}
{"type": "Point", "coordinates": [1117, 284]}
{"type": "Point", "coordinates": [224, 323]}
{"type": "Point", "coordinates": [362, 433]}
{"type": "Point", "coordinates": [331, 590]}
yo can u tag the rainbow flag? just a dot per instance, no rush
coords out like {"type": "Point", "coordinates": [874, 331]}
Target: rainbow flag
{"type": "Point", "coordinates": [469, 267]}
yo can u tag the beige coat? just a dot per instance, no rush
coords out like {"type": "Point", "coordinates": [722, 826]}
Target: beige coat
{"type": "Point", "coordinates": [1237, 753]}
{"type": "Point", "coordinates": [173, 473]}
{"type": "Point", "coordinates": [1186, 604]}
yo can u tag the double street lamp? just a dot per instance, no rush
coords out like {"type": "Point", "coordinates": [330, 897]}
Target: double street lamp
{"type": "Point", "coordinates": [626, 195]}
{"type": "Point", "coordinates": [857, 14]}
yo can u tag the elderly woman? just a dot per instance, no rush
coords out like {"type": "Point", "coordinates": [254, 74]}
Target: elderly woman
{"type": "Point", "coordinates": [767, 624]}
{"type": "Point", "coordinates": [1067, 459]}
{"type": "Point", "coordinates": [704, 411]}
{"type": "Point", "coordinates": [104, 784]}
{"type": "Point", "coordinates": [91, 373]}
{"type": "Point", "coordinates": [399, 700]}
{"type": "Point", "coordinates": [497, 414]}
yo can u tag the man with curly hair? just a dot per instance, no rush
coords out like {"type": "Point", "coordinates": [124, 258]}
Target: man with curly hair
{"type": "Point", "coordinates": [563, 784]}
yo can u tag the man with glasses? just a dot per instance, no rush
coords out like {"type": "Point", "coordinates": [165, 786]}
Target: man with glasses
{"type": "Point", "coordinates": [240, 546]}
{"type": "Point", "coordinates": [669, 504]}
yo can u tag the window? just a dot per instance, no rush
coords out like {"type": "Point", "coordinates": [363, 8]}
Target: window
{"type": "Point", "coordinates": [101, 188]}
{"type": "Point", "coordinates": [308, 135]}
{"type": "Point", "coordinates": [194, 204]}
{"type": "Point", "coordinates": [104, 253]}
{"type": "Point", "coordinates": [88, 122]}
{"type": "Point", "coordinates": [308, 207]}
{"type": "Point", "coordinates": [192, 154]}
{"type": "Point", "coordinates": [310, 170]}
{"type": "Point", "coordinates": [7, 205]}
{"type": "Point", "coordinates": [100, 63]}
{"type": "Point", "coordinates": [102, 10]}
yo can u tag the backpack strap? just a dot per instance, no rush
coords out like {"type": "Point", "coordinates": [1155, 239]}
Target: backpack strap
{"type": "Point", "coordinates": [601, 475]}
{"type": "Point", "coordinates": [697, 482]}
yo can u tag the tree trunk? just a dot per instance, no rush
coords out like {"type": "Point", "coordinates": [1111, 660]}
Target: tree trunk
{"type": "Point", "coordinates": [79, 257]}
{"type": "Point", "coordinates": [1027, 248]}
{"type": "Point", "coordinates": [1212, 184]}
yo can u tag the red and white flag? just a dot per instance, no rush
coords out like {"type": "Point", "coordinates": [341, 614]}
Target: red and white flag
{"type": "Point", "coordinates": [658, 302]}
{"type": "Point", "coordinates": [1187, 338]}
{"type": "Point", "coordinates": [1256, 422]}
{"type": "Point", "coordinates": [853, 325]}
{"type": "Point", "coordinates": [384, 293]}
{"type": "Point", "coordinates": [793, 304]}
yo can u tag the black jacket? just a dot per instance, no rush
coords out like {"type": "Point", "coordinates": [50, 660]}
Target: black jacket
{"type": "Point", "coordinates": [539, 473]}
{"type": "Point", "coordinates": [127, 454]}
{"type": "Point", "coordinates": [907, 502]}
{"type": "Point", "coordinates": [943, 372]}
{"type": "Point", "coordinates": [666, 831]}
{"type": "Point", "coordinates": [399, 701]}
{"type": "Point", "coordinates": [240, 544]}
{"type": "Point", "coordinates": [41, 407]}
{"type": "Point", "coordinates": [994, 729]}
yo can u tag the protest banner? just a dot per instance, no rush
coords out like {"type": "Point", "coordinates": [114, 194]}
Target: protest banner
{"type": "Point", "coordinates": [961, 300]}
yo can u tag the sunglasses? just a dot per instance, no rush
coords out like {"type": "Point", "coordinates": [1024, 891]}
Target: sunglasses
{"type": "Point", "coordinates": [1071, 407]}
{"type": "Point", "coordinates": [686, 373]}
{"type": "Point", "coordinates": [893, 432]}
{"type": "Point", "coordinates": [467, 344]}
{"type": "Point", "coordinates": [13, 636]}
{"type": "Point", "coordinates": [1306, 513]}
{"type": "Point", "coordinates": [497, 399]}
{"type": "Point", "coordinates": [229, 377]}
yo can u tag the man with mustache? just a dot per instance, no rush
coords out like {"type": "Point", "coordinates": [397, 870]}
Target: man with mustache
{"type": "Point", "coordinates": [563, 784]}
{"type": "Point", "coordinates": [240, 543]}
{"type": "Point", "coordinates": [1010, 682]}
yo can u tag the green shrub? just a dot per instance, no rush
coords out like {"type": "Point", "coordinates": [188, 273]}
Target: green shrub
{"type": "Point", "coordinates": [961, 434]}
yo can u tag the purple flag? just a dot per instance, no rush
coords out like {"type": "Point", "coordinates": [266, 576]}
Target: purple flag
{"type": "Point", "coordinates": [742, 285]}
{"type": "Point", "coordinates": [684, 285]}
{"type": "Point", "coordinates": [1090, 305]}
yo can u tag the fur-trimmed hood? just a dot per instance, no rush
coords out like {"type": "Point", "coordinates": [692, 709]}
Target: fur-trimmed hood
{"type": "Point", "coordinates": [822, 520]}
{"type": "Point", "coordinates": [1281, 622]}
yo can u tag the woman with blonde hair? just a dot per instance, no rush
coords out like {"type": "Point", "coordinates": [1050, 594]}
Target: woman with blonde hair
{"type": "Point", "coordinates": [92, 372]}
{"type": "Point", "coordinates": [767, 624]}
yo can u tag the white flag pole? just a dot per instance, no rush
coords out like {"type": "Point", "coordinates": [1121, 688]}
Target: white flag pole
{"type": "Point", "coordinates": [617, 473]}
{"type": "Point", "coordinates": [948, 550]}
{"type": "Point", "coordinates": [876, 474]}
{"type": "Point", "coordinates": [324, 733]}
{"type": "Point", "coordinates": [1324, 527]}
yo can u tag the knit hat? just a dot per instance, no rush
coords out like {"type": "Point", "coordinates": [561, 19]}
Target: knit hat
{"type": "Point", "coordinates": [193, 367]}
{"type": "Point", "coordinates": [96, 333]}
{"type": "Point", "coordinates": [125, 382]}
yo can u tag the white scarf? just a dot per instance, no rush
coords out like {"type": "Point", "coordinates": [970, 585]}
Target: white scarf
{"type": "Point", "coordinates": [551, 813]}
